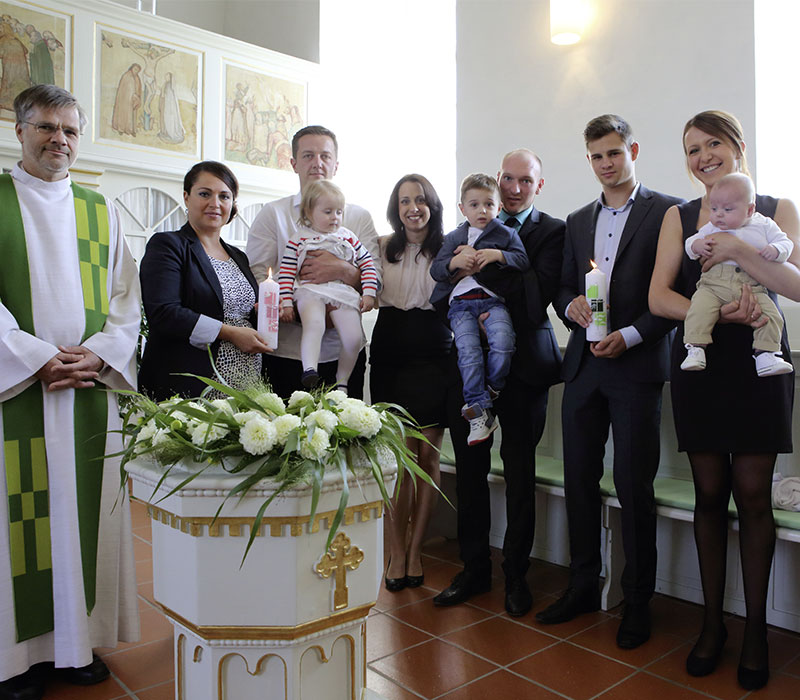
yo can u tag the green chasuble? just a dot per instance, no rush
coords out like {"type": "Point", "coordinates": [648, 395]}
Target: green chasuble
{"type": "Point", "coordinates": [23, 417]}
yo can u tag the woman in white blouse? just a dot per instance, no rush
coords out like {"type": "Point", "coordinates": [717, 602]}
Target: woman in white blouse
{"type": "Point", "coordinates": [409, 361]}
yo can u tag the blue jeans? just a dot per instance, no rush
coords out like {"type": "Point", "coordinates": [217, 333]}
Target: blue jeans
{"type": "Point", "coordinates": [463, 317]}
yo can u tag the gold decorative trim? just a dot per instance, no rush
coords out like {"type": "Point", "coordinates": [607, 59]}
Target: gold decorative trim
{"type": "Point", "coordinates": [208, 632]}
{"type": "Point", "coordinates": [325, 659]}
{"type": "Point", "coordinates": [239, 527]}
{"type": "Point", "coordinates": [221, 686]}
{"type": "Point", "coordinates": [179, 643]}
{"type": "Point", "coordinates": [335, 562]}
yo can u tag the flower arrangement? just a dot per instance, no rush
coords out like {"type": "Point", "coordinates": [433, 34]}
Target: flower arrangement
{"type": "Point", "coordinates": [256, 434]}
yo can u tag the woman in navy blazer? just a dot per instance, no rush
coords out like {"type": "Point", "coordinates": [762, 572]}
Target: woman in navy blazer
{"type": "Point", "coordinates": [186, 306]}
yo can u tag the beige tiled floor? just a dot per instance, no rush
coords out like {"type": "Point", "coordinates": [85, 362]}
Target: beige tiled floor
{"type": "Point", "coordinates": [475, 651]}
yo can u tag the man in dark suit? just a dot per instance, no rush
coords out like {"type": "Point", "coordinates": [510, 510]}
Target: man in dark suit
{"type": "Point", "coordinates": [522, 405]}
{"type": "Point", "coordinates": [616, 381]}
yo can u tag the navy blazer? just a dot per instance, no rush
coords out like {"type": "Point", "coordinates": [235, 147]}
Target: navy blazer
{"type": "Point", "coordinates": [628, 287]}
{"type": "Point", "coordinates": [496, 236]}
{"type": "Point", "coordinates": [178, 285]}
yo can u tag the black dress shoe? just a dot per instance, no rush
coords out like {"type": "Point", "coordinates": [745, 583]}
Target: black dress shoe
{"type": "Point", "coordinates": [752, 678]}
{"type": "Point", "coordinates": [634, 630]}
{"type": "Point", "coordinates": [393, 585]}
{"type": "Point", "coordinates": [25, 686]}
{"type": "Point", "coordinates": [95, 672]}
{"type": "Point", "coordinates": [415, 581]}
{"type": "Point", "coordinates": [699, 666]}
{"type": "Point", "coordinates": [518, 597]}
{"type": "Point", "coordinates": [574, 602]}
{"type": "Point", "coordinates": [463, 587]}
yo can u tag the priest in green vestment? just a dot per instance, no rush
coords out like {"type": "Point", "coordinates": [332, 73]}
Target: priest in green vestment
{"type": "Point", "coordinates": [69, 321]}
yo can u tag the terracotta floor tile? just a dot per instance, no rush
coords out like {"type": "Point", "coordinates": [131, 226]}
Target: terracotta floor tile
{"type": "Point", "coordinates": [673, 616]}
{"type": "Point", "coordinates": [145, 590]}
{"type": "Point", "coordinates": [501, 684]}
{"type": "Point", "coordinates": [437, 621]}
{"type": "Point", "coordinates": [499, 640]}
{"type": "Point", "coordinates": [493, 601]}
{"type": "Point", "coordinates": [139, 517]}
{"type": "Point", "coordinates": [144, 570]}
{"type": "Point", "coordinates": [565, 629]}
{"type": "Point", "coordinates": [722, 683]}
{"type": "Point", "coordinates": [433, 668]}
{"type": "Point", "coordinates": [154, 627]}
{"type": "Point", "coordinates": [164, 691]}
{"type": "Point", "coordinates": [143, 666]}
{"type": "Point", "coordinates": [643, 685]}
{"type": "Point", "coordinates": [547, 578]}
{"type": "Point", "coordinates": [386, 635]}
{"type": "Point", "coordinates": [793, 667]}
{"type": "Point", "coordinates": [387, 689]}
{"type": "Point", "coordinates": [439, 574]}
{"type": "Point", "coordinates": [783, 647]}
{"type": "Point", "coordinates": [780, 687]}
{"type": "Point", "coordinates": [602, 638]}
{"type": "Point", "coordinates": [574, 672]}
{"type": "Point", "coordinates": [142, 550]}
{"type": "Point", "coordinates": [107, 690]}
{"type": "Point", "coordinates": [442, 548]}
{"type": "Point", "coordinates": [146, 533]}
{"type": "Point", "coordinates": [390, 601]}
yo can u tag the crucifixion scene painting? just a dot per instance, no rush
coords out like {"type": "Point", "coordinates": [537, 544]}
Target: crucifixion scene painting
{"type": "Point", "coordinates": [149, 93]}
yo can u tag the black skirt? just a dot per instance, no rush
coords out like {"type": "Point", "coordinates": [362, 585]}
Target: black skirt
{"type": "Point", "coordinates": [410, 362]}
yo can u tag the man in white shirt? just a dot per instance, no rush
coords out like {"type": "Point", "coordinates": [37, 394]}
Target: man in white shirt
{"type": "Point", "coordinates": [314, 157]}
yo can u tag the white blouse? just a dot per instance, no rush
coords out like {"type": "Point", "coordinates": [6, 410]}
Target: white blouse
{"type": "Point", "coordinates": [407, 284]}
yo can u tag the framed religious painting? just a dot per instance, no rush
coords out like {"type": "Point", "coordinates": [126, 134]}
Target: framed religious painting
{"type": "Point", "coordinates": [148, 93]}
{"type": "Point", "coordinates": [262, 112]}
{"type": "Point", "coordinates": [35, 48]}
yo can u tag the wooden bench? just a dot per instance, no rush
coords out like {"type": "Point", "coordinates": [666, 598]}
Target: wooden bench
{"type": "Point", "coordinates": [674, 501]}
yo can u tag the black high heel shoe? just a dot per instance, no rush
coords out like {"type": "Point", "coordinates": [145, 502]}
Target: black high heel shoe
{"type": "Point", "coordinates": [753, 678]}
{"type": "Point", "coordinates": [699, 666]}
{"type": "Point", "coordinates": [415, 581]}
{"type": "Point", "coordinates": [393, 585]}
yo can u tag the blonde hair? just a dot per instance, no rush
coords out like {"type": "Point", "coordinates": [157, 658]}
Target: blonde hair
{"type": "Point", "coordinates": [724, 126]}
{"type": "Point", "coordinates": [311, 194]}
{"type": "Point", "coordinates": [479, 181]}
{"type": "Point", "coordinates": [739, 182]}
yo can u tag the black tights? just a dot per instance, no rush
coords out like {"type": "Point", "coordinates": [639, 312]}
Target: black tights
{"type": "Point", "coordinates": [749, 478]}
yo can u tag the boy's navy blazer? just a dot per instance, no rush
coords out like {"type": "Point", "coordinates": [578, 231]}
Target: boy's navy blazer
{"type": "Point", "coordinates": [178, 285]}
{"type": "Point", "coordinates": [495, 235]}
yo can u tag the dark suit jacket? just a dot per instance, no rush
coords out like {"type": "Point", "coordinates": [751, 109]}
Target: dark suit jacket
{"type": "Point", "coordinates": [537, 359]}
{"type": "Point", "coordinates": [178, 285]}
{"type": "Point", "coordinates": [628, 288]}
{"type": "Point", "coordinates": [496, 236]}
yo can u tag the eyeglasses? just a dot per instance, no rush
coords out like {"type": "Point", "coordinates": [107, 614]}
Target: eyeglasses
{"type": "Point", "coordinates": [49, 129]}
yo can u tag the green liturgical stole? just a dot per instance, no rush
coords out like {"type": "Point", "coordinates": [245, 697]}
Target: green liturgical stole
{"type": "Point", "coordinates": [23, 418]}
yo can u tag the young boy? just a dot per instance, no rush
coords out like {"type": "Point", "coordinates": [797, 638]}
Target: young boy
{"type": "Point", "coordinates": [732, 204]}
{"type": "Point", "coordinates": [477, 243]}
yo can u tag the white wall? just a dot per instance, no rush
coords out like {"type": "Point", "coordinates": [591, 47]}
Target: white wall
{"type": "Point", "coordinates": [655, 62]}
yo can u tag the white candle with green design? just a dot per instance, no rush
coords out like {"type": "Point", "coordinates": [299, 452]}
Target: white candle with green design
{"type": "Point", "coordinates": [596, 296]}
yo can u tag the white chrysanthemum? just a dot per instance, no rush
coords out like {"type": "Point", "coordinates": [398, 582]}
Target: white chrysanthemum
{"type": "Point", "coordinates": [299, 397]}
{"type": "Point", "coordinates": [316, 446]}
{"type": "Point", "coordinates": [258, 436]}
{"type": "Point", "coordinates": [223, 405]}
{"type": "Point", "coordinates": [160, 437]}
{"type": "Point", "coordinates": [323, 419]}
{"type": "Point", "coordinates": [206, 433]}
{"type": "Point", "coordinates": [336, 396]}
{"type": "Point", "coordinates": [284, 425]}
{"type": "Point", "coordinates": [270, 402]}
{"type": "Point", "coordinates": [148, 430]}
{"type": "Point", "coordinates": [243, 416]}
{"type": "Point", "coordinates": [358, 416]}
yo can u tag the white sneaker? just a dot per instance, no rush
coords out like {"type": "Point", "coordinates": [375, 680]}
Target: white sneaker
{"type": "Point", "coordinates": [769, 364]}
{"type": "Point", "coordinates": [481, 427]}
{"type": "Point", "coordinates": [695, 359]}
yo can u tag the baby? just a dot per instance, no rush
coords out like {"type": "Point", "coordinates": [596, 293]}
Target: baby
{"type": "Point", "coordinates": [480, 241]}
{"type": "Point", "coordinates": [732, 204]}
{"type": "Point", "coordinates": [321, 211]}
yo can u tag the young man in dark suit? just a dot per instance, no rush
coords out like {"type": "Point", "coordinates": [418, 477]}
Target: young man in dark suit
{"type": "Point", "coordinates": [615, 382]}
{"type": "Point", "coordinates": [522, 405]}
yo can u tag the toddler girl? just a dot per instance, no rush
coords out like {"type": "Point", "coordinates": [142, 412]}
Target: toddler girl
{"type": "Point", "coordinates": [321, 210]}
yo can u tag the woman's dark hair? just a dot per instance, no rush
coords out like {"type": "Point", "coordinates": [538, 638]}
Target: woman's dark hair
{"type": "Point", "coordinates": [397, 241]}
{"type": "Point", "coordinates": [218, 170]}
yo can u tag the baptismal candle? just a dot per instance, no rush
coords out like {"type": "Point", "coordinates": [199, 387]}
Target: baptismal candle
{"type": "Point", "coordinates": [268, 310]}
{"type": "Point", "coordinates": [596, 296]}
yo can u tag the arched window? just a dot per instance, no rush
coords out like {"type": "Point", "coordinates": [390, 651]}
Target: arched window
{"type": "Point", "coordinates": [145, 211]}
{"type": "Point", "coordinates": [237, 231]}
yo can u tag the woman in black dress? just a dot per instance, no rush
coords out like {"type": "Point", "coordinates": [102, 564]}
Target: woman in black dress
{"type": "Point", "coordinates": [198, 291]}
{"type": "Point", "coordinates": [409, 361]}
{"type": "Point", "coordinates": [731, 422]}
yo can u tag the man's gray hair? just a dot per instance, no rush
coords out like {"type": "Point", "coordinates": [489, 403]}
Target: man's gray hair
{"type": "Point", "coordinates": [46, 97]}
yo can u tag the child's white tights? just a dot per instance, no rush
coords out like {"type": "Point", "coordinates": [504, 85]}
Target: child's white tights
{"type": "Point", "coordinates": [346, 320]}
